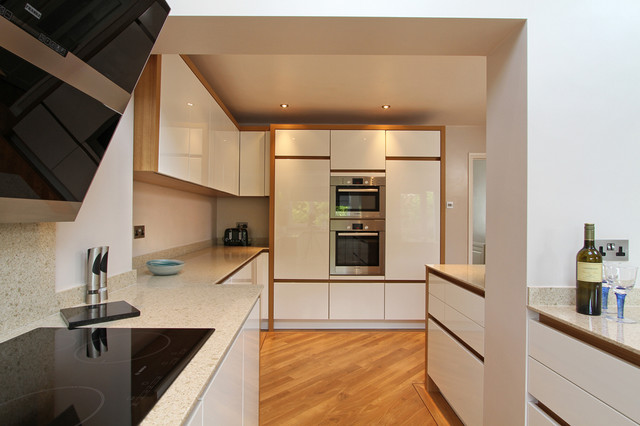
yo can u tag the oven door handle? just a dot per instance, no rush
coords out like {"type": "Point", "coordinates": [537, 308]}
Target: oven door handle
{"type": "Point", "coordinates": [358, 190]}
{"type": "Point", "coordinates": [357, 234]}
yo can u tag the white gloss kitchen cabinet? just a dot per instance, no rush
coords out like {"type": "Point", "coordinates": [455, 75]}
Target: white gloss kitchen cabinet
{"type": "Point", "coordinates": [232, 397]}
{"type": "Point", "coordinates": [181, 132]}
{"type": "Point", "coordinates": [357, 150]}
{"type": "Point", "coordinates": [254, 165]}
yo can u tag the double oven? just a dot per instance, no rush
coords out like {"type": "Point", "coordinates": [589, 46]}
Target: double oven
{"type": "Point", "coordinates": [357, 225]}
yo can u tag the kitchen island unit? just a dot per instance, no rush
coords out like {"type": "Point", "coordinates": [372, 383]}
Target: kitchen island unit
{"type": "Point", "coordinates": [455, 337]}
{"type": "Point", "coordinates": [192, 299]}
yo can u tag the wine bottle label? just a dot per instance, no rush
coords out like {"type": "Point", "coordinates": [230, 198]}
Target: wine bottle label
{"type": "Point", "coordinates": [590, 272]}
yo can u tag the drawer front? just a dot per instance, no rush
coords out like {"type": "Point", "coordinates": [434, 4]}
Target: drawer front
{"type": "Point", "coordinates": [466, 302]}
{"type": "Point", "coordinates": [537, 417]}
{"type": "Point", "coordinates": [364, 301]}
{"type": "Point", "coordinates": [404, 301]}
{"type": "Point", "coordinates": [436, 286]}
{"type": "Point", "coordinates": [458, 374]}
{"type": "Point", "coordinates": [568, 401]}
{"type": "Point", "coordinates": [436, 308]}
{"type": "Point", "coordinates": [470, 332]}
{"type": "Point", "coordinates": [604, 376]}
{"type": "Point", "coordinates": [301, 301]}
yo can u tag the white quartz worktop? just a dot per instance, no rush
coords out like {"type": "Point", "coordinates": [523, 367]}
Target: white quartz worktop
{"type": "Point", "coordinates": [190, 299]}
{"type": "Point", "coordinates": [471, 276]}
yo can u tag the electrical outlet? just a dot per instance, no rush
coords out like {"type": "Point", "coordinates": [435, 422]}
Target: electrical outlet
{"type": "Point", "coordinates": [138, 231]}
{"type": "Point", "coordinates": [613, 250]}
{"type": "Point", "coordinates": [242, 225]}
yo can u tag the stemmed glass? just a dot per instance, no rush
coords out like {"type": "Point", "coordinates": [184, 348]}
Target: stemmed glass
{"type": "Point", "coordinates": [608, 274]}
{"type": "Point", "coordinates": [623, 278]}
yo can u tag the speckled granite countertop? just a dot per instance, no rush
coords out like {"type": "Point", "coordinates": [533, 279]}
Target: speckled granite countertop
{"type": "Point", "coordinates": [468, 275]}
{"type": "Point", "coordinates": [189, 299]}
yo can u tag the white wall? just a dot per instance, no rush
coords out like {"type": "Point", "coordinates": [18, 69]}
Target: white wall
{"type": "Point", "coordinates": [105, 215]}
{"type": "Point", "coordinates": [461, 140]}
{"type": "Point", "coordinates": [171, 218]}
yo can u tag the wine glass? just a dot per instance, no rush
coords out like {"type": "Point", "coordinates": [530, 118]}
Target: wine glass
{"type": "Point", "coordinates": [608, 274]}
{"type": "Point", "coordinates": [624, 277]}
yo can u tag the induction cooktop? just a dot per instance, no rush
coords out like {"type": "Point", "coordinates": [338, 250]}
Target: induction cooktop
{"type": "Point", "coordinates": [91, 376]}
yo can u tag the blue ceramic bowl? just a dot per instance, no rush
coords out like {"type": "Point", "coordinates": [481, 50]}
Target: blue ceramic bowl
{"type": "Point", "coordinates": [165, 266]}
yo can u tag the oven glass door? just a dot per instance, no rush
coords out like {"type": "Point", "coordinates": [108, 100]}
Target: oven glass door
{"type": "Point", "coordinates": [357, 253]}
{"type": "Point", "coordinates": [353, 201]}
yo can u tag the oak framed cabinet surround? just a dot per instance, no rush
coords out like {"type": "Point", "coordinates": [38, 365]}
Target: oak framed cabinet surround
{"type": "Point", "coordinates": [303, 292]}
{"type": "Point", "coordinates": [455, 338]}
{"type": "Point", "coordinates": [186, 139]}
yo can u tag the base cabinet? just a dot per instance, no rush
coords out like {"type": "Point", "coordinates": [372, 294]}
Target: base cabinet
{"type": "Point", "coordinates": [356, 301]}
{"type": "Point", "coordinates": [301, 301]}
{"type": "Point", "coordinates": [404, 301]}
{"type": "Point", "coordinates": [578, 382]}
{"type": "Point", "coordinates": [232, 395]}
{"type": "Point", "coordinates": [458, 374]}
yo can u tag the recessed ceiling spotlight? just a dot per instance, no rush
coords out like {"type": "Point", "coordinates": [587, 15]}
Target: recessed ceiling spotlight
{"type": "Point", "coordinates": [284, 105]}
{"type": "Point", "coordinates": [386, 106]}
{"type": "Point", "coordinates": [189, 103]}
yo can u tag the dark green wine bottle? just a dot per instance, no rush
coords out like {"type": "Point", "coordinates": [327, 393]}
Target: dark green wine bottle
{"type": "Point", "coordinates": [589, 275]}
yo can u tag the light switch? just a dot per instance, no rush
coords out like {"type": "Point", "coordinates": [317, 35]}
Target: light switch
{"type": "Point", "coordinates": [449, 204]}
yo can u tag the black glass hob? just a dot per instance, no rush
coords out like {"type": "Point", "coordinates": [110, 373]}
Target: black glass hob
{"type": "Point", "coordinates": [91, 376]}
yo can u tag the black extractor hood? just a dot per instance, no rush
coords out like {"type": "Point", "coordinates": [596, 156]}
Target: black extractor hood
{"type": "Point", "coordinates": [67, 71]}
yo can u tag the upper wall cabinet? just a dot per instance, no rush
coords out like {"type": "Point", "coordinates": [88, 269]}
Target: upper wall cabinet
{"type": "Point", "coordinates": [182, 138]}
{"type": "Point", "coordinates": [253, 165]}
{"type": "Point", "coordinates": [357, 149]}
{"type": "Point", "coordinates": [302, 143]}
{"type": "Point", "coordinates": [413, 143]}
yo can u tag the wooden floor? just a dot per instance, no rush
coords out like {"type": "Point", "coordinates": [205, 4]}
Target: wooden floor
{"type": "Point", "coordinates": [343, 378]}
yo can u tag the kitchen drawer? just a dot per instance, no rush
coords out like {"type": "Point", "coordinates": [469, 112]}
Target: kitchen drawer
{"type": "Point", "coordinates": [404, 301]}
{"type": "Point", "coordinates": [458, 374]}
{"type": "Point", "coordinates": [460, 325]}
{"type": "Point", "coordinates": [604, 376]}
{"type": "Point", "coordinates": [301, 301]}
{"type": "Point", "coordinates": [537, 417]}
{"type": "Point", "coordinates": [437, 286]}
{"type": "Point", "coordinates": [470, 304]}
{"type": "Point", "coordinates": [568, 401]}
{"type": "Point", "coordinates": [359, 301]}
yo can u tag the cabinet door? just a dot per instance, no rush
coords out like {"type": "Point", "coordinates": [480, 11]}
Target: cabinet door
{"type": "Point", "coordinates": [357, 150]}
{"type": "Point", "coordinates": [302, 143]}
{"type": "Point", "coordinates": [184, 122]}
{"type": "Point", "coordinates": [404, 301]}
{"type": "Point", "coordinates": [251, 383]}
{"type": "Point", "coordinates": [413, 218]}
{"type": "Point", "coordinates": [357, 300]}
{"type": "Point", "coordinates": [252, 162]}
{"type": "Point", "coordinates": [224, 142]}
{"type": "Point", "coordinates": [301, 301]}
{"type": "Point", "coordinates": [413, 143]}
{"type": "Point", "coordinates": [301, 244]}
{"type": "Point", "coordinates": [263, 280]}
{"type": "Point", "coordinates": [222, 402]}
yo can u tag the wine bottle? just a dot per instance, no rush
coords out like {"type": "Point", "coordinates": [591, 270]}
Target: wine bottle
{"type": "Point", "coordinates": [589, 275]}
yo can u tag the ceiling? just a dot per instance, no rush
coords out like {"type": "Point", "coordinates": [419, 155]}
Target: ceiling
{"type": "Point", "coordinates": [342, 70]}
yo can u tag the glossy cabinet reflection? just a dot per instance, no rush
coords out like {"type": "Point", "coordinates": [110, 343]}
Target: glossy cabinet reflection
{"type": "Point", "coordinates": [301, 242]}
{"type": "Point", "coordinates": [182, 133]}
{"type": "Point", "coordinates": [413, 218]}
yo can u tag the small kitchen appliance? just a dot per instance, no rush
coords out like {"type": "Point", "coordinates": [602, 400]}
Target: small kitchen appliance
{"type": "Point", "coordinates": [236, 236]}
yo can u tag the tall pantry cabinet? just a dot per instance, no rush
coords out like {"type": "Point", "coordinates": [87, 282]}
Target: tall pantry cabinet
{"type": "Point", "coordinates": [301, 219]}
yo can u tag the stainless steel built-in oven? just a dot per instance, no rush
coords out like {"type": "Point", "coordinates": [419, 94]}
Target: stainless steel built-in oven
{"type": "Point", "coordinates": [357, 197]}
{"type": "Point", "coordinates": [356, 247]}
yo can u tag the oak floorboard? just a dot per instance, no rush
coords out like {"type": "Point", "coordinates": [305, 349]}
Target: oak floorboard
{"type": "Point", "coordinates": [342, 378]}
